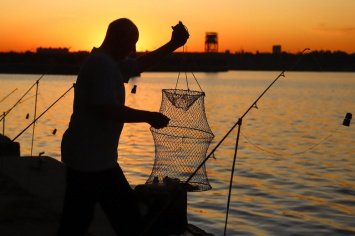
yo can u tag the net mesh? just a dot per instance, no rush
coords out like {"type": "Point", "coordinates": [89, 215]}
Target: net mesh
{"type": "Point", "coordinates": [181, 146]}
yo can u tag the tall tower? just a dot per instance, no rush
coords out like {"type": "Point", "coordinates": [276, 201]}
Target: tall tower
{"type": "Point", "coordinates": [276, 49]}
{"type": "Point", "coordinates": [211, 42]}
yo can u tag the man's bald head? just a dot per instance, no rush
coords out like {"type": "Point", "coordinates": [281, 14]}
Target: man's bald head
{"type": "Point", "coordinates": [121, 37]}
{"type": "Point", "coordinates": [121, 29]}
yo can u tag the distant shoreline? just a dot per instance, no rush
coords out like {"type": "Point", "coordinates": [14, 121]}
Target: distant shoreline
{"type": "Point", "coordinates": [68, 63]}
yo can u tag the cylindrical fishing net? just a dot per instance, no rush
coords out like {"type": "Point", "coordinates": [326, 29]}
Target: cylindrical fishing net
{"type": "Point", "coordinates": [181, 146]}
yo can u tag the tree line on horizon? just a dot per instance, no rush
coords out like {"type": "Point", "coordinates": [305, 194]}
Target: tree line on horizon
{"type": "Point", "coordinates": [65, 62]}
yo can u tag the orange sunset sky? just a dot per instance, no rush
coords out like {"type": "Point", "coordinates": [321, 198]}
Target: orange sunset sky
{"type": "Point", "coordinates": [249, 25]}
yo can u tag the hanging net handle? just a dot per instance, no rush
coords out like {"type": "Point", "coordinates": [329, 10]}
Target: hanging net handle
{"type": "Point", "coordinates": [187, 82]}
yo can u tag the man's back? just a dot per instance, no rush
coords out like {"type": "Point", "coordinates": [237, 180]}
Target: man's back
{"type": "Point", "coordinates": [90, 143]}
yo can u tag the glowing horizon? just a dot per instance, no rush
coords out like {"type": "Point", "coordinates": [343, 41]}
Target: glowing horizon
{"type": "Point", "coordinates": [250, 26]}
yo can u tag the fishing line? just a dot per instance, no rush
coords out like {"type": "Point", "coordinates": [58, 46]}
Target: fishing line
{"type": "Point", "coordinates": [50, 114]}
{"type": "Point", "coordinates": [239, 120]}
{"type": "Point", "coordinates": [43, 113]}
{"type": "Point", "coordinates": [335, 93]}
{"type": "Point", "coordinates": [24, 100]}
{"type": "Point", "coordinates": [36, 83]}
{"type": "Point", "coordinates": [8, 95]}
{"type": "Point", "coordinates": [291, 154]}
{"type": "Point", "coordinates": [19, 101]}
{"type": "Point", "coordinates": [346, 123]}
{"type": "Point", "coordinates": [33, 123]}
{"type": "Point", "coordinates": [239, 123]}
{"type": "Point", "coordinates": [6, 112]}
{"type": "Point", "coordinates": [171, 202]}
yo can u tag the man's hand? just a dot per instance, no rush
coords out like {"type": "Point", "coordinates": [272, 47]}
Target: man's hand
{"type": "Point", "coordinates": [158, 120]}
{"type": "Point", "coordinates": [180, 35]}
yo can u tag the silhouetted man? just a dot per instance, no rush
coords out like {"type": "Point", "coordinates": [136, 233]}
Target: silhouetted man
{"type": "Point", "coordinates": [89, 145]}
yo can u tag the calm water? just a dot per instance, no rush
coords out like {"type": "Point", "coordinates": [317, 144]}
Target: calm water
{"type": "Point", "coordinates": [295, 169]}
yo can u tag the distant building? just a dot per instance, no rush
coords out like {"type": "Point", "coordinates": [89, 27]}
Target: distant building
{"type": "Point", "coordinates": [211, 42]}
{"type": "Point", "coordinates": [52, 50]}
{"type": "Point", "coordinates": [276, 49]}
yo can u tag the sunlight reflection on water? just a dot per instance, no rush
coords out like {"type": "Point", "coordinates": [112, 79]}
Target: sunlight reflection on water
{"type": "Point", "coordinates": [290, 178]}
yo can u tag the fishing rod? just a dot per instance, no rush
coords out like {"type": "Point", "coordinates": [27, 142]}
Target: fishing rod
{"type": "Point", "coordinates": [238, 123]}
{"type": "Point", "coordinates": [37, 118]}
{"type": "Point", "coordinates": [346, 122]}
{"type": "Point", "coordinates": [36, 83]}
{"type": "Point", "coordinates": [35, 108]}
{"type": "Point", "coordinates": [34, 117]}
{"type": "Point", "coordinates": [8, 95]}
{"type": "Point", "coordinates": [4, 113]}
{"type": "Point", "coordinates": [19, 101]}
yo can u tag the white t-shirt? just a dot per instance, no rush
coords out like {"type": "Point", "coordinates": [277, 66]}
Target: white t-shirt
{"type": "Point", "coordinates": [90, 143]}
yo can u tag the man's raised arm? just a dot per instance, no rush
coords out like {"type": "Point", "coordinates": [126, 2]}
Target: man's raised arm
{"type": "Point", "coordinates": [178, 38]}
